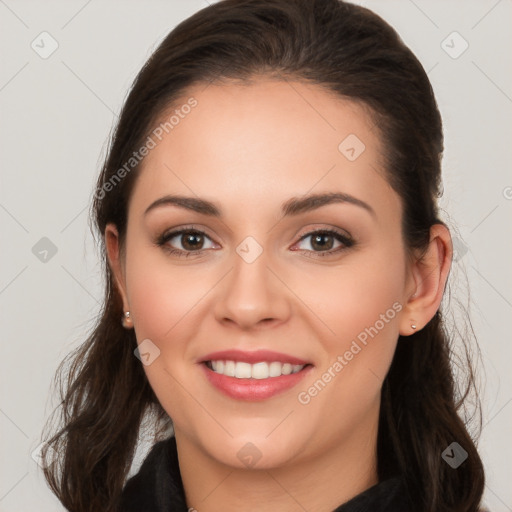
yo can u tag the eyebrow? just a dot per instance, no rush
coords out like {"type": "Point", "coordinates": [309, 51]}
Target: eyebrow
{"type": "Point", "coordinates": [292, 206]}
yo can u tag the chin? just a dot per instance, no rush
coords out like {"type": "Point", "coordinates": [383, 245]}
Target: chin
{"type": "Point", "coordinates": [255, 452]}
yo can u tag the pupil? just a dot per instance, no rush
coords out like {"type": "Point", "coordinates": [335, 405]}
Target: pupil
{"type": "Point", "coordinates": [189, 241]}
{"type": "Point", "coordinates": [317, 240]}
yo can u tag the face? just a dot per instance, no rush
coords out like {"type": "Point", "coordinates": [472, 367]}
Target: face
{"type": "Point", "coordinates": [263, 281]}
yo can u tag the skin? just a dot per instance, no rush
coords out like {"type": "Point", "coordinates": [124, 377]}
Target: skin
{"type": "Point", "coordinates": [249, 149]}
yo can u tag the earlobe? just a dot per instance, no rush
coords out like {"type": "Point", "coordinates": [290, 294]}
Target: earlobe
{"type": "Point", "coordinates": [430, 275]}
{"type": "Point", "coordinates": [112, 248]}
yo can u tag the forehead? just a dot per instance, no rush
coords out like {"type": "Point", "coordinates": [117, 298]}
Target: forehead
{"type": "Point", "coordinates": [263, 143]}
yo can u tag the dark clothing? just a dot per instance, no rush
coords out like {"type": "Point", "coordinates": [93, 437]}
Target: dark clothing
{"type": "Point", "coordinates": [157, 487]}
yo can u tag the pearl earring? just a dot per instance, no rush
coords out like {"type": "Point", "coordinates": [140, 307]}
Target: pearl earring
{"type": "Point", "coordinates": [413, 326]}
{"type": "Point", "coordinates": [127, 320]}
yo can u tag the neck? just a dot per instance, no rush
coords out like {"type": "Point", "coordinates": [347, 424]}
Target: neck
{"type": "Point", "coordinates": [321, 483]}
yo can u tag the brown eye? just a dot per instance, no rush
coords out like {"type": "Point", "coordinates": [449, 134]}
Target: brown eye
{"type": "Point", "coordinates": [192, 241]}
{"type": "Point", "coordinates": [184, 242]}
{"type": "Point", "coordinates": [323, 241]}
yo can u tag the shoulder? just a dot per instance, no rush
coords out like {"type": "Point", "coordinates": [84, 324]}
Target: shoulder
{"type": "Point", "coordinates": [389, 495]}
{"type": "Point", "coordinates": [157, 485]}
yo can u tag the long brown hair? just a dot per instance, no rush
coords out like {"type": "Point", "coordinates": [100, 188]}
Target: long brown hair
{"type": "Point", "coordinates": [352, 52]}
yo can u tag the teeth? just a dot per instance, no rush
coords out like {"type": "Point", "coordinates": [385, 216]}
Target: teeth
{"type": "Point", "coordinates": [274, 369]}
{"type": "Point", "coordinates": [242, 370]}
{"type": "Point", "coordinates": [261, 370]}
{"type": "Point", "coordinates": [229, 368]}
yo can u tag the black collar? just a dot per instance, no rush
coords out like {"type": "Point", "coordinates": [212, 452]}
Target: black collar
{"type": "Point", "coordinates": [157, 487]}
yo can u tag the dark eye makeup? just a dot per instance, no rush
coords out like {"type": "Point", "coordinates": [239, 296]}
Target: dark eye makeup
{"type": "Point", "coordinates": [190, 236]}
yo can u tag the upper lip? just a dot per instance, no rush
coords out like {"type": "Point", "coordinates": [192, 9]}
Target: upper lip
{"type": "Point", "coordinates": [254, 356]}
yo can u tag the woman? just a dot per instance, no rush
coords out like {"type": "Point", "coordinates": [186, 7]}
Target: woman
{"type": "Point", "coordinates": [275, 264]}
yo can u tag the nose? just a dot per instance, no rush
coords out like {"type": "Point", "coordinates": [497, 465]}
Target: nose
{"type": "Point", "coordinates": [252, 295]}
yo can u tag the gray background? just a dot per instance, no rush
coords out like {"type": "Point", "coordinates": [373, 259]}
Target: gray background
{"type": "Point", "coordinates": [57, 113]}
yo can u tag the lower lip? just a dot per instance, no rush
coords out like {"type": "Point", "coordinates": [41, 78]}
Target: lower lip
{"type": "Point", "coordinates": [253, 389]}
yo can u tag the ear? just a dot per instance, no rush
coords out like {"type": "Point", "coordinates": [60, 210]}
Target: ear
{"type": "Point", "coordinates": [115, 260]}
{"type": "Point", "coordinates": [428, 277]}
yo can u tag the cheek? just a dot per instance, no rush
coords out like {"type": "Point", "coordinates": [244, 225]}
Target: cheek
{"type": "Point", "coordinates": [163, 296]}
{"type": "Point", "coordinates": [169, 303]}
{"type": "Point", "coordinates": [359, 308]}
{"type": "Point", "coordinates": [166, 301]}
{"type": "Point", "coordinates": [347, 299]}
{"type": "Point", "coordinates": [158, 301]}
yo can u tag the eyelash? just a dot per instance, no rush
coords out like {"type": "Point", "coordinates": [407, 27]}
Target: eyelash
{"type": "Point", "coordinates": [165, 237]}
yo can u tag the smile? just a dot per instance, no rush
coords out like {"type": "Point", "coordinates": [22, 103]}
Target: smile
{"type": "Point", "coordinates": [253, 382]}
{"type": "Point", "coordinates": [260, 370]}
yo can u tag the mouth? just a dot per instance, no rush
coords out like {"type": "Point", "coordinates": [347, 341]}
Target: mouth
{"type": "Point", "coordinates": [253, 376]}
{"type": "Point", "coordinates": [261, 370]}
